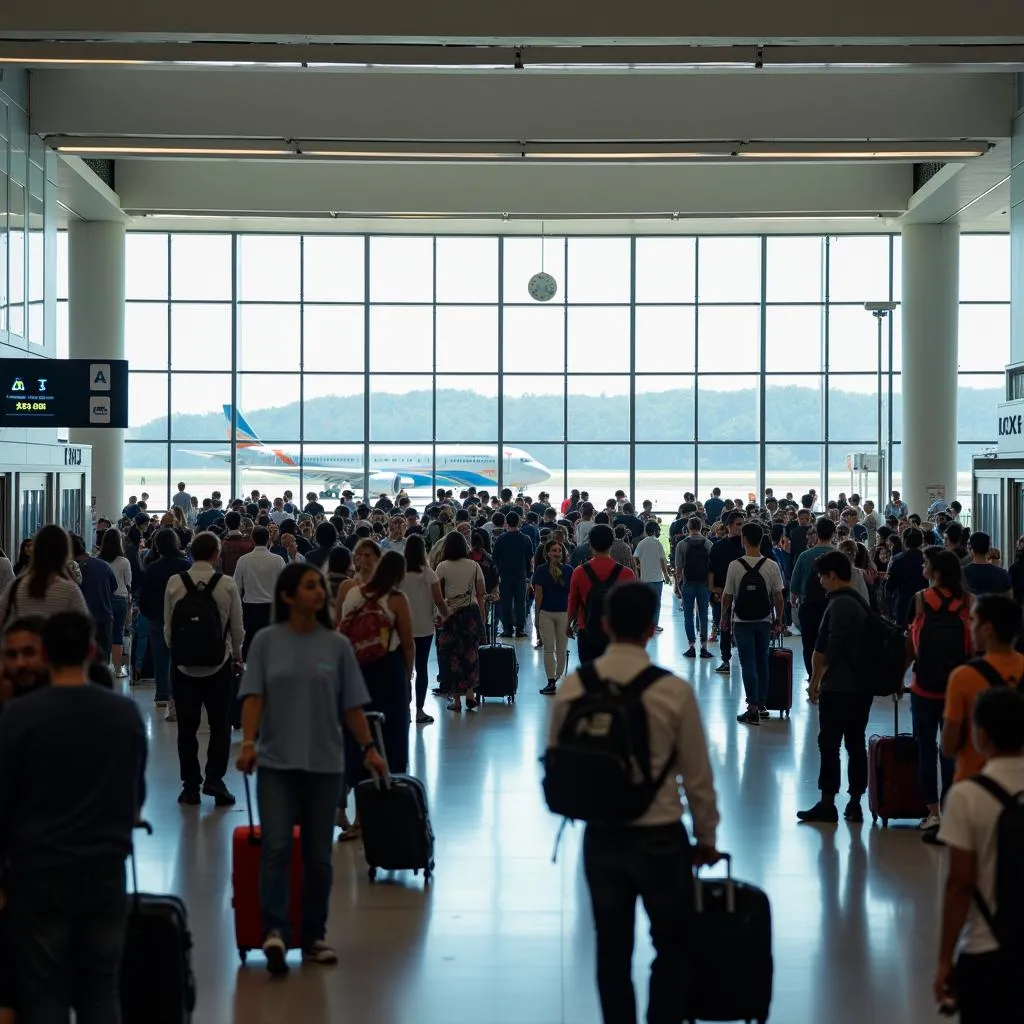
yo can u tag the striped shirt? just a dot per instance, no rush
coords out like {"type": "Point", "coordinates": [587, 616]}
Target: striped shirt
{"type": "Point", "coordinates": [61, 596]}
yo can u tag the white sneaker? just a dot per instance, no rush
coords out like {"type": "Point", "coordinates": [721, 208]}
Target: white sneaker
{"type": "Point", "coordinates": [172, 712]}
{"type": "Point", "coordinates": [319, 953]}
{"type": "Point", "coordinates": [932, 821]}
{"type": "Point", "coordinates": [275, 951]}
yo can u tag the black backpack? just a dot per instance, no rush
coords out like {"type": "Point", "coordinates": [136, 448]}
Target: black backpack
{"type": "Point", "coordinates": [941, 647]}
{"type": "Point", "coordinates": [815, 594]}
{"type": "Point", "coordinates": [599, 768]}
{"type": "Point", "coordinates": [197, 634]}
{"type": "Point", "coordinates": [597, 639]}
{"type": "Point", "coordinates": [883, 651]}
{"type": "Point", "coordinates": [1007, 920]}
{"type": "Point", "coordinates": [752, 602]}
{"type": "Point", "coordinates": [696, 561]}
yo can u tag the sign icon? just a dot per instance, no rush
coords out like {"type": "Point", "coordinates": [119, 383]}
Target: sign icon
{"type": "Point", "coordinates": [99, 375]}
{"type": "Point", "coordinates": [18, 385]}
{"type": "Point", "coordinates": [99, 409]}
{"type": "Point", "coordinates": [41, 381]}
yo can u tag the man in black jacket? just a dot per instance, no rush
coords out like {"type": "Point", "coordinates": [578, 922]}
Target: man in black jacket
{"type": "Point", "coordinates": [513, 558]}
{"type": "Point", "coordinates": [723, 554]}
{"type": "Point", "coordinates": [905, 577]}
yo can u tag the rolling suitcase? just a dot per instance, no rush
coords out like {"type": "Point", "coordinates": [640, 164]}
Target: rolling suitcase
{"type": "Point", "coordinates": [498, 667]}
{"type": "Point", "coordinates": [893, 789]}
{"type": "Point", "coordinates": [732, 923]}
{"type": "Point", "coordinates": [393, 815]}
{"type": "Point", "coordinates": [780, 678]}
{"type": "Point", "coordinates": [157, 983]}
{"type": "Point", "coordinates": [245, 885]}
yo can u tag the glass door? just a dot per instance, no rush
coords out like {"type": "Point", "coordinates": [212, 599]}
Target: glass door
{"type": "Point", "coordinates": [72, 502]}
{"type": "Point", "coordinates": [33, 504]}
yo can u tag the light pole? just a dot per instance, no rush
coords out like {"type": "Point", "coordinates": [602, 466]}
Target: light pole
{"type": "Point", "coordinates": [880, 311]}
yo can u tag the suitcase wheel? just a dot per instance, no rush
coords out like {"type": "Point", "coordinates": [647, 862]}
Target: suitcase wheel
{"type": "Point", "coordinates": [243, 954]}
{"type": "Point", "coordinates": [372, 874]}
{"type": "Point", "coordinates": [510, 699]}
{"type": "Point", "coordinates": [885, 823]}
{"type": "Point", "coordinates": [427, 875]}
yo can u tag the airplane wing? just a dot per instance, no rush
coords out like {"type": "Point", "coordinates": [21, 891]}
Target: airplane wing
{"type": "Point", "coordinates": [222, 456]}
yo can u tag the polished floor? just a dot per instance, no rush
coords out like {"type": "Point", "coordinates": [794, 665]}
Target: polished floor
{"type": "Point", "coordinates": [504, 936]}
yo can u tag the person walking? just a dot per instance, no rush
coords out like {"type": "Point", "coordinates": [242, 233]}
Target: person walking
{"type": "Point", "coordinates": [43, 587]}
{"type": "Point", "coordinates": [458, 643]}
{"type": "Point", "coordinates": [255, 578]}
{"type": "Point", "coordinates": [650, 566]}
{"type": "Point", "coordinates": [807, 593]}
{"type": "Point", "coordinates": [513, 558]}
{"type": "Point", "coordinates": [692, 562]}
{"type": "Point", "coordinates": [551, 591]}
{"type": "Point", "coordinates": [112, 552]}
{"type": "Point", "coordinates": [301, 682]}
{"type": "Point", "coordinates": [423, 592]}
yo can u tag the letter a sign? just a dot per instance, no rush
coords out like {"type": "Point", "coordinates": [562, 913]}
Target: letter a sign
{"type": "Point", "coordinates": [99, 375]}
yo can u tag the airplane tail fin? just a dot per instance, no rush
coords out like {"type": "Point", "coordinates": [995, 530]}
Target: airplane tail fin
{"type": "Point", "coordinates": [244, 434]}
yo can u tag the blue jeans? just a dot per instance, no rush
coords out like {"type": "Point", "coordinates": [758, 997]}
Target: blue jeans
{"type": "Point", "coordinates": [310, 799]}
{"type": "Point", "coordinates": [657, 586]}
{"type": "Point", "coordinates": [140, 629]}
{"type": "Point", "coordinates": [751, 640]}
{"type": "Point", "coordinates": [161, 662]}
{"type": "Point", "coordinates": [512, 593]}
{"type": "Point", "coordinates": [696, 593]}
{"type": "Point", "coordinates": [926, 715]}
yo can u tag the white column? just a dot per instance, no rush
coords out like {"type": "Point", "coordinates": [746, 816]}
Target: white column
{"type": "Point", "coordinates": [930, 309]}
{"type": "Point", "coordinates": [96, 331]}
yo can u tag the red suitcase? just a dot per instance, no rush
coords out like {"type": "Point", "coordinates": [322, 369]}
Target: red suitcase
{"type": "Point", "coordinates": [893, 788]}
{"type": "Point", "coordinates": [245, 886]}
{"type": "Point", "coordinates": [780, 678]}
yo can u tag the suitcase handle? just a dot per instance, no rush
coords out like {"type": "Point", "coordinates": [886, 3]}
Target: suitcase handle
{"type": "Point", "coordinates": [730, 888]}
{"type": "Point", "coordinates": [254, 840]}
{"type": "Point", "coordinates": [375, 720]}
{"type": "Point", "coordinates": [148, 829]}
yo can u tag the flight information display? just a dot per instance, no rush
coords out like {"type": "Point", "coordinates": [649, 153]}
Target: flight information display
{"type": "Point", "coordinates": [64, 393]}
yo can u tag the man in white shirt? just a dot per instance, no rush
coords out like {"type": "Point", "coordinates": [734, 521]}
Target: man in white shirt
{"type": "Point", "coordinates": [752, 606]}
{"type": "Point", "coordinates": [651, 568]}
{"type": "Point", "coordinates": [651, 857]}
{"type": "Point", "coordinates": [984, 979]}
{"type": "Point", "coordinates": [278, 513]}
{"type": "Point", "coordinates": [212, 687]}
{"type": "Point", "coordinates": [184, 500]}
{"type": "Point", "coordinates": [395, 540]}
{"type": "Point", "coordinates": [255, 577]}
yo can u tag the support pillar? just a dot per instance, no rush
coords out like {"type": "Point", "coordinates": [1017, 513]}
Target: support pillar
{"type": "Point", "coordinates": [930, 308]}
{"type": "Point", "coordinates": [96, 331]}
{"type": "Point", "coordinates": [1017, 230]}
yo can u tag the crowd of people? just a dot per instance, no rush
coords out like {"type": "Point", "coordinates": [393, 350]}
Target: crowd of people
{"type": "Point", "coordinates": [287, 622]}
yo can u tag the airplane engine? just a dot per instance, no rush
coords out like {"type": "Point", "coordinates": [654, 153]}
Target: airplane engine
{"type": "Point", "coordinates": [387, 483]}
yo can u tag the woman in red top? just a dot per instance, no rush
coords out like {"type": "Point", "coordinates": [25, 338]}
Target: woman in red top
{"type": "Point", "coordinates": [939, 640]}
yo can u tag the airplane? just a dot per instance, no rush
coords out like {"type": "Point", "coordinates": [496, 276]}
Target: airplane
{"type": "Point", "coordinates": [342, 465]}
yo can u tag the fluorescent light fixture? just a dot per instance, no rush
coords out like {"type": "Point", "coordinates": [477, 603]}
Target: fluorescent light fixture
{"type": "Point", "coordinates": [863, 151]}
{"type": "Point", "coordinates": [76, 149]}
{"type": "Point", "coordinates": [29, 61]}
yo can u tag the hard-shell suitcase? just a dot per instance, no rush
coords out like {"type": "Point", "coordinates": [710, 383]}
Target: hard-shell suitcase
{"type": "Point", "coordinates": [780, 679]}
{"type": "Point", "coordinates": [246, 844]}
{"type": "Point", "coordinates": [732, 923]}
{"type": "Point", "coordinates": [157, 983]}
{"type": "Point", "coordinates": [499, 672]}
{"type": "Point", "coordinates": [893, 787]}
{"type": "Point", "coordinates": [393, 816]}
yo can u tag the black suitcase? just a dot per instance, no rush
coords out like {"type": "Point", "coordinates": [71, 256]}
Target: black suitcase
{"type": "Point", "coordinates": [732, 923]}
{"type": "Point", "coordinates": [157, 983]}
{"type": "Point", "coordinates": [393, 816]}
{"type": "Point", "coordinates": [499, 666]}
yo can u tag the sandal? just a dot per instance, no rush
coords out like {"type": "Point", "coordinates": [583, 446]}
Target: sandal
{"type": "Point", "coordinates": [452, 706]}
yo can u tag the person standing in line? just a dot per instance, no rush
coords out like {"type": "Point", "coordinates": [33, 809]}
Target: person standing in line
{"type": "Point", "coordinates": [301, 682]}
{"type": "Point", "coordinates": [112, 552]}
{"type": "Point", "coordinates": [981, 576]}
{"type": "Point", "coordinates": [896, 507]}
{"type": "Point", "coordinates": [183, 500]}
{"type": "Point", "coordinates": [551, 589]}
{"type": "Point", "coordinates": [423, 592]}
{"type": "Point", "coordinates": [806, 591]}
{"type": "Point", "coordinates": [255, 578]}
{"type": "Point", "coordinates": [753, 606]}
{"type": "Point", "coordinates": [458, 642]}
{"type": "Point", "coordinates": [692, 560]}
{"type": "Point", "coordinates": [72, 786]}
{"type": "Point", "coordinates": [197, 685]}
{"type": "Point", "coordinates": [234, 545]}
{"type": "Point", "coordinates": [99, 584]}
{"type": "Point", "coordinates": [512, 555]}
{"type": "Point", "coordinates": [723, 553]}
{"type": "Point", "coordinates": [871, 522]}
{"type": "Point", "coordinates": [651, 857]}
{"type": "Point", "coordinates": [651, 568]}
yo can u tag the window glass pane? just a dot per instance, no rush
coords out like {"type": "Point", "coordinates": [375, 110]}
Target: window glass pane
{"type": "Point", "coordinates": [985, 268]}
{"type": "Point", "coordinates": [333, 268]}
{"type": "Point", "coordinates": [467, 339]}
{"type": "Point", "coordinates": [330, 467]}
{"type": "Point", "coordinates": [145, 266]}
{"type": "Point", "coordinates": [534, 339]}
{"type": "Point", "coordinates": [402, 338]}
{"type": "Point", "coordinates": [268, 337]}
{"type": "Point", "coordinates": [984, 340]}
{"type": "Point", "coordinates": [401, 269]}
{"type": "Point", "coordinates": [598, 270]}
{"type": "Point", "coordinates": [523, 258]}
{"type": "Point", "coordinates": [977, 398]}
{"type": "Point", "coordinates": [733, 467]}
{"type": "Point", "coordinates": [729, 338]}
{"type": "Point", "coordinates": [145, 469]}
{"type": "Point", "coordinates": [200, 266]}
{"type": "Point", "coordinates": [793, 468]}
{"type": "Point", "coordinates": [284, 474]}
{"type": "Point", "coordinates": [665, 269]}
{"type": "Point", "coordinates": [147, 405]}
{"type": "Point", "coordinates": [795, 269]}
{"type": "Point", "coordinates": [601, 469]}
{"type": "Point", "coordinates": [145, 335]}
{"type": "Point", "coordinates": [467, 409]}
{"type": "Point", "coordinates": [412, 466]}
{"type": "Point", "coordinates": [665, 339]}
{"type": "Point", "coordinates": [858, 268]}
{"type": "Point", "coordinates": [200, 337]}
{"type": "Point", "coordinates": [197, 401]}
{"type": "Point", "coordinates": [792, 408]}
{"type": "Point", "coordinates": [853, 408]}
{"type": "Point", "coordinates": [550, 458]}
{"type": "Point", "coordinates": [333, 337]}
{"type": "Point", "coordinates": [896, 327]}
{"type": "Point", "coordinates": [598, 408]}
{"type": "Point", "coordinates": [268, 268]}
{"type": "Point", "coordinates": [63, 339]}
{"type": "Point", "coordinates": [599, 339]}
{"type": "Point", "coordinates": [663, 473]}
{"type": "Point", "coordinates": [726, 408]}
{"type": "Point", "coordinates": [794, 338]}
{"type": "Point", "coordinates": [664, 408]}
{"type": "Point", "coordinates": [852, 339]}
{"type": "Point", "coordinates": [270, 404]}
{"type": "Point", "coordinates": [897, 266]}
{"type": "Point", "coordinates": [332, 407]}
{"type": "Point", "coordinates": [729, 269]}
{"type": "Point", "coordinates": [401, 408]}
{"type": "Point", "coordinates": [467, 270]}
{"type": "Point", "coordinates": [534, 407]}
{"type": "Point", "coordinates": [897, 409]}
{"type": "Point", "coordinates": [841, 481]}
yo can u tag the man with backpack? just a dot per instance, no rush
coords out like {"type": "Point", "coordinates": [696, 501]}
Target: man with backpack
{"type": "Point", "coordinates": [203, 630]}
{"type": "Point", "coordinates": [723, 553]}
{"type": "Point", "coordinates": [588, 587]}
{"type": "Point", "coordinates": [692, 562]}
{"type": "Point", "coordinates": [982, 938]}
{"type": "Point", "coordinates": [806, 591]}
{"type": "Point", "coordinates": [635, 843]}
{"type": "Point", "coordinates": [752, 596]}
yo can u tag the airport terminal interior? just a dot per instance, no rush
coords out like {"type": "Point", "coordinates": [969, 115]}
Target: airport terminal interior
{"type": "Point", "coordinates": [659, 250]}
